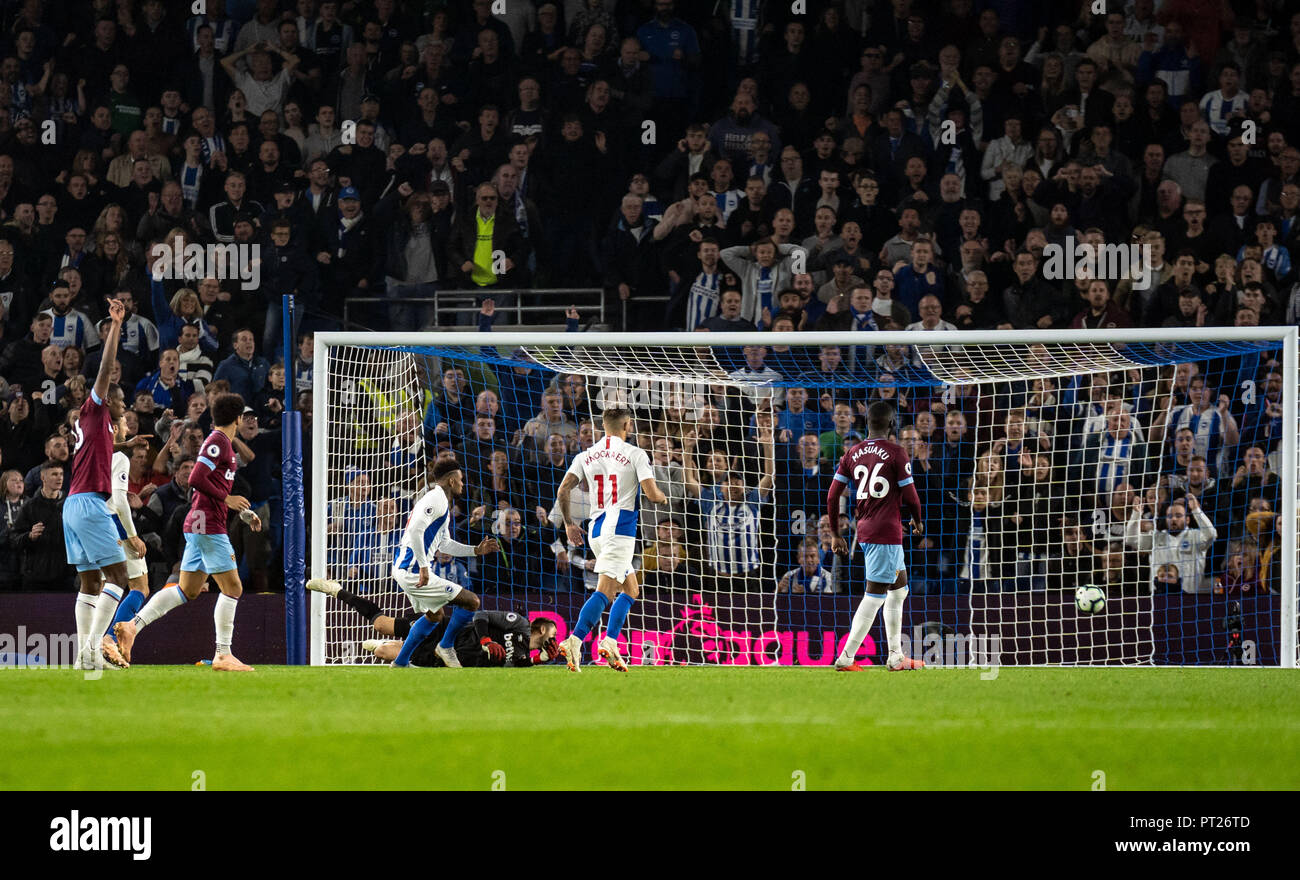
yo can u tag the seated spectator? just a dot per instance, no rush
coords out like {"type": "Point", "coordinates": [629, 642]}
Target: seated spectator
{"type": "Point", "coordinates": [672, 569]}
{"type": "Point", "coordinates": [809, 577]}
{"type": "Point", "coordinates": [163, 501]}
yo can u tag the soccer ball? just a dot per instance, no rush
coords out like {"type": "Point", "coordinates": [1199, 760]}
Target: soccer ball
{"type": "Point", "coordinates": [1091, 600]}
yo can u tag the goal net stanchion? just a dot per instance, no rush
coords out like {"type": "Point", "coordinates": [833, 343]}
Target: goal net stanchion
{"type": "Point", "coordinates": [1156, 465]}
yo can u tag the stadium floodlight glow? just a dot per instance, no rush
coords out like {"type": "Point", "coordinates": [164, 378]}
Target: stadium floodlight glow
{"type": "Point", "coordinates": [1094, 418]}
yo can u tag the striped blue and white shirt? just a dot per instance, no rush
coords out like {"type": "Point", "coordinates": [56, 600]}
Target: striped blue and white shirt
{"type": "Point", "coordinates": [1207, 430]}
{"type": "Point", "coordinates": [452, 571]}
{"type": "Point", "coordinates": [1218, 110]}
{"type": "Point", "coordinates": [702, 302]}
{"type": "Point", "coordinates": [734, 530]}
{"type": "Point", "coordinates": [73, 329]}
{"type": "Point", "coordinates": [223, 33]}
{"type": "Point", "coordinates": [1114, 463]}
{"type": "Point", "coordinates": [817, 582]}
{"type": "Point", "coordinates": [744, 29]}
{"type": "Point", "coordinates": [727, 202]}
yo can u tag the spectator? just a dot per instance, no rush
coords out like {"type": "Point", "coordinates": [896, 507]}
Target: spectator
{"type": "Point", "coordinates": [732, 513]}
{"type": "Point", "coordinates": [809, 577]}
{"type": "Point", "coordinates": [37, 535]}
{"type": "Point", "coordinates": [550, 420]}
{"type": "Point", "coordinates": [165, 385]}
{"type": "Point", "coordinates": [1182, 549]}
{"type": "Point", "coordinates": [245, 370]}
{"type": "Point", "coordinates": [12, 497]}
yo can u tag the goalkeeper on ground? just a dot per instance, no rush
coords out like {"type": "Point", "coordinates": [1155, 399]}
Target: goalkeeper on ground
{"type": "Point", "coordinates": [493, 638]}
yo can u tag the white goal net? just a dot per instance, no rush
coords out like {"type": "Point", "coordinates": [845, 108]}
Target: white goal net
{"type": "Point", "coordinates": [1159, 469]}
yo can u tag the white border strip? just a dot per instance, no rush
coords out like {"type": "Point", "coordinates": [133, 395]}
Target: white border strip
{"type": "Point", "coordinates": [507, 339]}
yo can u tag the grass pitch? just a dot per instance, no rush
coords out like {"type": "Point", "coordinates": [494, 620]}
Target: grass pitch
{"type": "Point", "coordinates": [687, 728]}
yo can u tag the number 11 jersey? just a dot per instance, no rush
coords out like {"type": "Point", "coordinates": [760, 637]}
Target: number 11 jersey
{"type": "Point", "coordinates": [613, 470]}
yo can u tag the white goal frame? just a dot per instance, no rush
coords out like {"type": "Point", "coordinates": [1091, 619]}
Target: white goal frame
{"type": "Point", "coordinates": [1288, 336]}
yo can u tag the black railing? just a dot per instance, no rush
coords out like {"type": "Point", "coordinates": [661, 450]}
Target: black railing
{"type": "Point", "coordinates": [531, 302]}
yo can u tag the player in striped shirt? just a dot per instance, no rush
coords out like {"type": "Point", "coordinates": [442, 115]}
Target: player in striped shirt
{"type": "Point", "coordinates": [1226, 102]}
{"type": "Point", "coordinates": [703, 299]}
{"type": "Point", "coordinates": [615, 474]}
{"type": "Point", "coordinates": [882, 475]}
{"type": "Point", "coordinates": [734, 519]}
{"type": "Point", "coordinates": [72, 328]}
{"type": "Point", "coordinates": [208, 551]}
{"type": "Point", "coordinates": [1212, 429]}
{"type": "Point", "coordinates": [809, 577]}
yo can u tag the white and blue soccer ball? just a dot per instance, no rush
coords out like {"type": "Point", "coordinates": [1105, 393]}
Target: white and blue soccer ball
{"type": "Point", "coordinates": [1091, 600]}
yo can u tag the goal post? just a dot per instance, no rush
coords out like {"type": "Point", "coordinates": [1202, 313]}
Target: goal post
{"type": "Point", "coordinates": [1157, 464]}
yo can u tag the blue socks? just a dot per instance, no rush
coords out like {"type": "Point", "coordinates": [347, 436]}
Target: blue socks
{"type": "Point", "coordinates": [618, 614]}
{"type": "Point", "coordinates": [126, 610]}
{"type": "Point", "coordinates": [590, 614]}
{"type": "Point", "coordinates": [459, 618]}
{"type": "Point", "coordinates": [420, 630]}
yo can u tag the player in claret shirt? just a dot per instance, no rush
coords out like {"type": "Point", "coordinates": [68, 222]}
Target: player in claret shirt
{"type": "Point", "coordinates": [882, 474]}
{"type": "Point", "coordinates": [90, 535]}
{"type": "Point", "coordinates": [207, 542]}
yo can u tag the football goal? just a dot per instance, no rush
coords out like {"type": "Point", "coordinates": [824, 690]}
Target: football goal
{"type": "Point", "coordinates": [1156, 467]}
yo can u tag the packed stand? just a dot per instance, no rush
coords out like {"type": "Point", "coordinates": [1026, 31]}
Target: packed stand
{"type": "Point", "coordinates": [913, 159]}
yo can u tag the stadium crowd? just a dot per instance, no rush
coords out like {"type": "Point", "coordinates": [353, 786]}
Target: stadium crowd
{"type": "Point", "coordinates": [709, 166]}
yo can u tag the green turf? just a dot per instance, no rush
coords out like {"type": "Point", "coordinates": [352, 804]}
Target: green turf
{"type": "Point", "coordinates": [653, 728]}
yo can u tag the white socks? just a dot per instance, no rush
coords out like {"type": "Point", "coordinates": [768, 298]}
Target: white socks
{"type": "Point", "coordinates": [863, 618]}
{"type": "Point", "coordinates": [894, 619]}
{"type": "Point", "coordinates": [109, 598]}
{"type": "Point", "coordinates": [159, 604]}
{"type": "Point", "coordinates": [84, 612]}
{"type": "Point", "coordinates": [223, 617]}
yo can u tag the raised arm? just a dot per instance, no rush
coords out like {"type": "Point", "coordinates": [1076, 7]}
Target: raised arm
{"type": "Point", "coordinates": [228, 62]}
{"type": "Point", "coordinates": [1135, 536]}
{"type": "Point", "coordinates": [690, 476]}
{"type": "Point", "coordinates": [767, 438]}
{"type": "Point", "coordinates": [117, 312]}
{"type": "Point", "coordinates": [1202, 521]}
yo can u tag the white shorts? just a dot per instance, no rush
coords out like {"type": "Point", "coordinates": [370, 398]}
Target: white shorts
{"type": "Point", "coordinates": [614, 555]}
{"type": "Point", "coordinates": [430, 597]}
